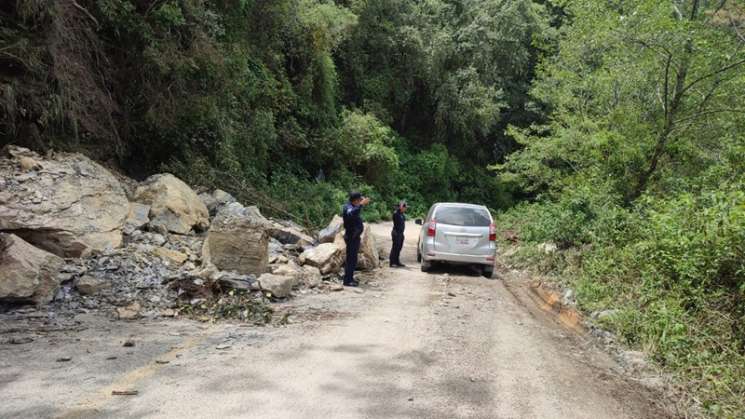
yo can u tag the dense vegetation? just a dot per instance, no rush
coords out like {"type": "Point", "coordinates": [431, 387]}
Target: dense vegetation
{"type": "Point", "coordinates": [611, 128]}
{"type": "Point", "coordinates": [640, 174]}
{"type": "Point", "coordinates": [296, 101]}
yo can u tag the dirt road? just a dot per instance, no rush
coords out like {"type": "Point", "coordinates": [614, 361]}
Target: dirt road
{"type": "Point", "coordinates": [407, 345]}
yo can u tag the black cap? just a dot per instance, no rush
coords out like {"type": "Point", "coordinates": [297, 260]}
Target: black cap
{"type": "Point", "coordinates": [354, 196]}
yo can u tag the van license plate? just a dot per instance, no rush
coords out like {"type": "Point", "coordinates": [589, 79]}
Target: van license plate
{"type": "Point", "coordinates": [463, 241]}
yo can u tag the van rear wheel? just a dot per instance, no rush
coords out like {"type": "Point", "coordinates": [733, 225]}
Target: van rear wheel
{"type": "Point", "coordinates": [488, 272]}
{"type": "Point", "coordinates": [426, 266]}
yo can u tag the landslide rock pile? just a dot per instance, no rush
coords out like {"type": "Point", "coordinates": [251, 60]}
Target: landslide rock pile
{"type": "Point", "coordinates": [72, 236]}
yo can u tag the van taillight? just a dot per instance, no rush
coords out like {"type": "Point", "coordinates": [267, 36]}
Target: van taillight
{"type": "Point", "coordinates": [492, 232]}
{"type": "Point", "coordinates": [432, 228]}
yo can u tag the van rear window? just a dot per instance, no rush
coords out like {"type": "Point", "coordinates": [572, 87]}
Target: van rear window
{"type": "Point", "coordinates": [462, 216]}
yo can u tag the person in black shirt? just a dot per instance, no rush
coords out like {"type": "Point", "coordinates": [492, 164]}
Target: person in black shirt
{"type": "Point", "coordinates": [397, 235]}
{"type": "Point", "coordinates": [353, 227]}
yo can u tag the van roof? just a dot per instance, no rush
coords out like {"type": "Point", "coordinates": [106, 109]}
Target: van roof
{"type": "Point", "coordinates": [458, 204]}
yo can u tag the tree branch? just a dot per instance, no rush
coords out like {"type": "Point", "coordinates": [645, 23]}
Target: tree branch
{"type": "Point", "coordinates": [714, 73]}
{"type": "Point", "coordinates": [667, 85]}
{"type": "Point", "coordinates": [84, 10]}
{"type": "Point", "coordinates": [709, 112]}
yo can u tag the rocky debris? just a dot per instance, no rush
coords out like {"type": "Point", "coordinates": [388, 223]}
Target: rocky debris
{"type": "Point", "coordinates": [216, 200]}
{"type": "Point", "coordinates": [327, 257]}
{"type": "Point", "coordinates": [237, 241]}
{"type": "Point", "coordinates": [26, 272]}
{"type": "Point", "coordinates": [67, 205]}
{"type": "Point", "coordinates": [278, 285]}
{"type": "Point", "coordinates": [165, 264]}
{"type": "Point", "coordinates": [138, 217]}
{"type": "Point", "coordinates": [328, 234]}
{"type": "Point", "coordinates": [288, 234]}
{"type": "Point", "coordinates": [369, 258]}
{"type": "Point", "coordinates": [90, 285]}
{"type": "Point", "coordinates": [174, 206]}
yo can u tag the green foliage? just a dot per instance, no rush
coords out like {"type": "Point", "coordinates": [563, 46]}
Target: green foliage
{"type": "Point", "coordinates": [639, 172]}
{"type": "Point", "coordinates": [365, 144]}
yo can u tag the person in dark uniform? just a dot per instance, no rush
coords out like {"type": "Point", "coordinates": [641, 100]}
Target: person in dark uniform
{"type": "Point", "coordinates": [397, 235]}
{"type": "Point", "coordinates": [353, 227]}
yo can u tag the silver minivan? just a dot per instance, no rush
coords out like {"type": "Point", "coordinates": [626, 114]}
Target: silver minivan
{"type": "Point", "coordinates": [459, 234]}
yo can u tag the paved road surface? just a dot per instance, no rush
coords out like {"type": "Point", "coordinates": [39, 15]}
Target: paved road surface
{"type": "Point", "coordinates": [409, 345]}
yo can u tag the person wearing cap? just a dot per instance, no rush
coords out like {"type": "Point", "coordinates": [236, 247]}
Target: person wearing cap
{"type": "Point", "coordinates": [353, 227]}
{"type": "Point", "coordinates": [397, 235]}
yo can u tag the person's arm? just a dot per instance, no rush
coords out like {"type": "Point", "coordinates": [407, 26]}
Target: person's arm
{"type": "Point", "coordinates": [353, 210]}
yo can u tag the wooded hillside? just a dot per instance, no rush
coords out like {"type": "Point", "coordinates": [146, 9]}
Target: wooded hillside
{"type": "Point", "coordinates": [612, 129]}
{"type": "Point", "coordinates": [293, 102]}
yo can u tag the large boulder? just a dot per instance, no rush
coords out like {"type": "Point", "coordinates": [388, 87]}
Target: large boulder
{"type": "Point", "coordinates": [328, 234]}
{"type": "Point", "coordinates": [327, 257]}
{"type": "Point", "coordinates": [67, 205]}
{"type": "Point", "coordinates": [237, 241]}
{"type": "Point", "coordinates": [27, 274]}
{"type": "Point", "coordinates": [174, 206]}
{"type": "Point", "coordinates": [285, 232]}
{"type": "Point", "coordinates": [368, 257]}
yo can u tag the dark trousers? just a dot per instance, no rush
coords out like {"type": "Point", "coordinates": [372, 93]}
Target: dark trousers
{"type": "Point", "coordinates": [353, 247]}
{"type": "Point", "coordinates": [398, 244]}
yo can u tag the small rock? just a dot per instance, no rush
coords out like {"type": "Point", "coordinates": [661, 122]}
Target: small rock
{"type": "Point", "coordinates": [223, 347]}
{"type": "Point", "coordinates": [161, 361]}
{"type": "Point", "coordinates": [279, 286]}
{"type": "Point", "coordinates": [64, 359]}
{"type": "Point", "coordinates": [129, 343]}
{"type": "Point", "coordinates": [124, 392]}
{"type": "Point", "coordinates": [110, 358]}
{"type": "Point", "coordinates": [452, 294]}
{"type": "Point", "coordinates": [568, 297]}
{"type": "Point", "coordinates": [169, 255]}
{"type": "Point", "coordinates": [129, 312]}
{"type": "Point", "coordinates": [336, 287]}
{"type": "Point", "coordinates": [28, 163]}
{"type": "Point", "coordinates": [89, 285]}
{"type": "Point", "coordinates": [605, 314]}
{"type": "Point", "coordinates": [168, 312]}
{"type": "Point", "coordinates": [548, 248]}
{"type": "Point", "coordinates": [20, 341]}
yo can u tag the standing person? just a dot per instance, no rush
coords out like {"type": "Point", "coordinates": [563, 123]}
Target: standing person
{"type": "Point", "coordinates": [397, 235]}
{"type": "Point", "coordinates": [353, 227]}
